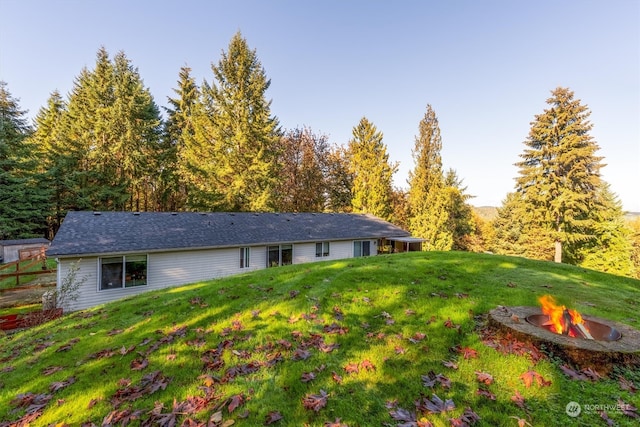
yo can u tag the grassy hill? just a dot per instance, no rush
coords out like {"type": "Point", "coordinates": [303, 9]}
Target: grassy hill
{"type": "Point", "coordinates": [388, 340]}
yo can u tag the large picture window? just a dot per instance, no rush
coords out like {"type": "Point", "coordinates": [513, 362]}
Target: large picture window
{"type": "Point", "coordinates": [279, 255]}
{"type": "Point", "coordinates": [322, 249]}
{"type": "Point", "coordinates": [123, 272]}
{"type": "Point", "coordinates": [361, 248]}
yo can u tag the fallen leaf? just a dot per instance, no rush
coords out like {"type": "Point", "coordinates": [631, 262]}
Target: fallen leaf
{"type": "Point", "coordinates": [51, 369]}
{"type": "Point", "coordinates": [628, 409]}
{"type": "Point", "coordinates": [606, 419]}
{"type": "Point", "coordinates": [484, 377]}
{"type": "Point", "coordinates": [435, 405]}
{"type": "Point", "coordinates": [335, 377]}
{"type": "Point", "coordinates": [486, 393]}
{"type": "Point", "coordinates": [59, 385]}
{"type": "Point", "coordinates": [139, 364]}
{"type": "Point", "coordinates": [518, 399]}
{"type": "Point", "coordinates": [627, 385]}
{"type": "Point", "coordinates": [521, 421]}
{"type": "Point", "coordinates": [272, 417]}
{"type": "Point", "coordinates": [530, 376]}
{"type": "Point", "coordinates": [468, 353]}
{"type": "Point", "coordinates": [236, 401]}
{"type": "Point", "coordinates": [308, 376]}
{"type": "Point", "coordinates": [315, 401]}
{"type": "Point", "coordinates": [468, 418]}
{"type": "Point", "coordinates": [450, 364]}
{"type": "Point", "coordinates": [367, 365]}
{"type": "Point", "coordinates": [352, 368]}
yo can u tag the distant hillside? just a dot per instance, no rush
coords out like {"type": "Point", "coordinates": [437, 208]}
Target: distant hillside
{"type": "Point", "coordinates": [488, 213]}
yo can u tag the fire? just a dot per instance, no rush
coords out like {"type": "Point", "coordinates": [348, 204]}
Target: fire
{"type": "Point", "coordinates": [563, 320]}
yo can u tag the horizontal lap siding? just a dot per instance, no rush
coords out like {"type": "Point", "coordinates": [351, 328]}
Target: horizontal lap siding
{"type": "Point", "coordinates": [163, 270]}
{"type": "Point", "coordinates": [180, 268]}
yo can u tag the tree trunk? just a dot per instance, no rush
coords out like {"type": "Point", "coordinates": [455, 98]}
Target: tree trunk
{"type": "Point", "coordinates": [558, 254]}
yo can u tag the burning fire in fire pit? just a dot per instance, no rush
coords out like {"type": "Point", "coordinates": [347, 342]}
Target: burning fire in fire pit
{"type": "Point", "coordinates": [562, 320]}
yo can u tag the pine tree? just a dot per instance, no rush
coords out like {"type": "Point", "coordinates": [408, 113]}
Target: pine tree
{"type": "Point", "coordinates": [372, 172]}
{"type": "Point", "coordinates": [23, 207]}
{"type": "Point", "coordinates": [428, 201]}
{"type": "Point", "coordinates": [241, 135]}
{"type": "Point", "coordinates": [302, 186]}
{"type": "Point", "coordinates": [560, 173]}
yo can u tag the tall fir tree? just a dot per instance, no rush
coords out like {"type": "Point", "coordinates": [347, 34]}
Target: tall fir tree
{"type": "Point", "coordinates": [114, 122]}
{"type": "Point", "coordinates": [302, 186]}
{"type": "Point", "coordinates": [461, 222]}
{"type": "Point", "coordinates": [55, 161]}
{"type": "Point", "coordinates": [612, 248]}
{"type": "Point", "coordinates": [180, 177]}
{"type": "Point", "coordinates": [559, 176]}
{"type": "Point", "coordinates": [241, 135]}
{"type": "Point", "coordinates": [339, 180]}
{"type": "Point", "coordinates": [428, 201]}
{"type": "Point", "coordinates": [371, 170]}
{"type": "Point", "coordinates": [23, 201]}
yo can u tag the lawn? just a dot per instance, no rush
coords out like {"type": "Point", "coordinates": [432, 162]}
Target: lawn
{"type": "Point", "coordinates": [391, 340]}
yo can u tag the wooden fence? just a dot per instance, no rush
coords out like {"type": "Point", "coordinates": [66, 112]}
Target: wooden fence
{"type": "Point", "coordinates": [23, 270]}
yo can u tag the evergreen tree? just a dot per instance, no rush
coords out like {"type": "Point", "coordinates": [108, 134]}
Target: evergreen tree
{"type": "Point", "coordinates": [115, 125]}
{"type": "Point", "coordinates": [611, 250]}
{"type": "Point", "coordinates": [180, 177]}
{"type": "Point", "coordinates": [428, 201]}
{"type": "Point", "coordinates": [560, 173]}
{"type": "Point", "coordinates": [339, 181]}
{"type": "Point", "coordinates": [372, 172]}
{"type": "Point", "coordinates": [516, 233]}
{"type": "Point", "coordinates": [303, 178]}
{"type": "Point", "coordinates": [634, 238]}
{"type": "Point", "coordinates": [53, 159]}
{"type": "Point", "coordinates": [23, 206]}
{"type": "Point", "coordinates": [460, 223]}
{"type": "Point", "coordinates": [242, 136]}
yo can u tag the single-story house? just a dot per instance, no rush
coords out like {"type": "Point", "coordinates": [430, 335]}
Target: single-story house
{"type": "Point", "coordinates": [126, 253]}
{"type": "Point", "coordinates": [14, 250]}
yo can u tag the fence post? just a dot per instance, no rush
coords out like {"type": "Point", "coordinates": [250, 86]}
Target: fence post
{"type": "Point", "coordinates": [18, 273]}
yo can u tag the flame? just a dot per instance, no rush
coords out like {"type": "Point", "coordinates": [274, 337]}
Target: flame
{"type": "Point", "coordinates": [557, 322]}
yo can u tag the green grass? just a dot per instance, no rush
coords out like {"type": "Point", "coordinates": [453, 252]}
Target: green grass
{"type": "Point", "coordinates": [380, 304]}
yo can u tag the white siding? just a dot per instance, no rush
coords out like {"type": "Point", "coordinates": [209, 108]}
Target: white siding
{"type": "Point", "coordinates": [178, 268]}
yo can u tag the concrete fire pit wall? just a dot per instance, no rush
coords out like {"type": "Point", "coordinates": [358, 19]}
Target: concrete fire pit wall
{"type": "Point", "coordinates": [601, 356]}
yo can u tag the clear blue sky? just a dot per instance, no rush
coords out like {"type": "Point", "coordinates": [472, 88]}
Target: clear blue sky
{"type": "Point", "coordinates": [486, 67]}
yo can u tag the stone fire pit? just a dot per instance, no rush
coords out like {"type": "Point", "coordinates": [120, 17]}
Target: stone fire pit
{"type": "Point", "coordinates": [601, 355]}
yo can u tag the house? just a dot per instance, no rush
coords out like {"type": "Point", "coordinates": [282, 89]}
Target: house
{"type": "Point", "coordinates": [14, 250]}
{"type": "Point", "coordinates": [125, 253]}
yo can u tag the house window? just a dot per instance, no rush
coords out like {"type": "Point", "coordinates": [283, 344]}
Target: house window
{"type": "Point", "coordinates": [244, 257]}
{"type": "Point", "coordinates": [361, 248]}
{"type": "Point", "coordinates": [322, 249]}
{"type": "Point", "coordinates": [123, 272]}
{"type": "Point", "coordinates": [279, 255]}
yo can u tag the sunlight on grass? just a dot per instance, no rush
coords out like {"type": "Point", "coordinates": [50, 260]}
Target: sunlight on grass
{"type": "Point", "coordinates": [364, 331]}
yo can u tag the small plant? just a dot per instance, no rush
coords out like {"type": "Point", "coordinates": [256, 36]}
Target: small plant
{"type": "Point", "coordinates": [67, 292]}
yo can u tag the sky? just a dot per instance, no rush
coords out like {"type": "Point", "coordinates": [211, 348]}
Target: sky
{"type": "Point", "coordinates": [486, 67]}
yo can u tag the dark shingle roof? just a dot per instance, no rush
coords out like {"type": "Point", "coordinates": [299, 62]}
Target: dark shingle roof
{"type": "Point", "coordinates": [31, 241]}
{"type": "Point", "coordinates": [84, 233]}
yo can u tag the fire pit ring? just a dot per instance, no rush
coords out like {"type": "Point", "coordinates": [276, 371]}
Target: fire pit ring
{"type": "Point", "coordinates": [524, 323]}
{"type": "Point", "coordinates": [599, 331]}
